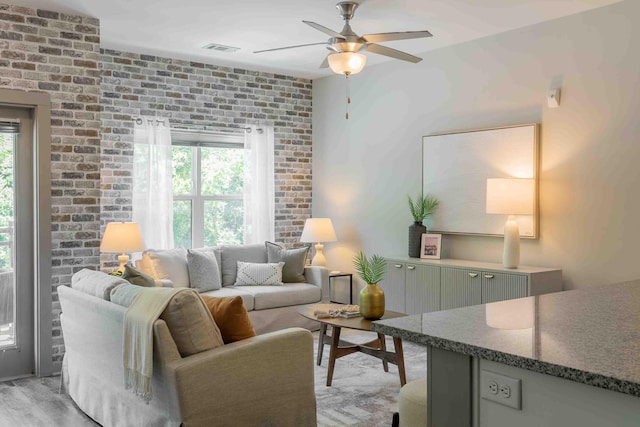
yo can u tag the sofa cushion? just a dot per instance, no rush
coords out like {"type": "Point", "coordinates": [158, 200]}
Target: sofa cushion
{"type": "Point", "coordinates": [191, 324]}
{"type": "Point", "coordinates": [204, 273]}
{"type": "Point", "coordinates": [168, 264]}
{"type": "Point", "coordinates": [265, 297]}
{"type": "Point", "coordinates": [96, 283]}
{"type": "Point", "coordinates": [125, 294]}
{"type": "Point", "coordinates": [231, 317]}
{"type": "Point", "coordinates": [231, 254]}
{"type": "Point", "coordinates": [137, 277]}
{"type": "Point", "coordinates": [265, 274]}
{"type": "Point", "coordinates": [294, 261]}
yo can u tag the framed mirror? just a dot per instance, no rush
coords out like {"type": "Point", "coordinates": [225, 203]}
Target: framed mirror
{"type": "Point", "coordinates": [455, 170]}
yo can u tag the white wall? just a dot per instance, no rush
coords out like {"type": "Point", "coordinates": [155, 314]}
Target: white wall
{"type": "Point", "coordinates": [364, 168]}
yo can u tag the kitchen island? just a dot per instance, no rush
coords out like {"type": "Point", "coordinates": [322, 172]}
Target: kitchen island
{"type": "Point", "coordinates": [567, 358]}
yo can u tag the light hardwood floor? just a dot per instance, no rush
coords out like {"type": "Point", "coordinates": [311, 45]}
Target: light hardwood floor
{"type": "Point", "coordinates": [35, 402]}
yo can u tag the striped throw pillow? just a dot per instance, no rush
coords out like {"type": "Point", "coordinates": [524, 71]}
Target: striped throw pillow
{"type": "Point", "coordinates": [252, 274]}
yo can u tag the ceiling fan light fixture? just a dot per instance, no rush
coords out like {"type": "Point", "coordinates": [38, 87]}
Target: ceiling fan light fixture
{"type": "Point", "coordinates": [347, 62]}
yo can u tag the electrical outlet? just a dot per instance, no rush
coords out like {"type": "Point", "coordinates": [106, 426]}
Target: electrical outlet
{"type": "Point", "coordinates": [505, 391]}
{"type": "Point", "coordinates": [493, 387]}
{"type": "Point", "coordinates": [501, 389]}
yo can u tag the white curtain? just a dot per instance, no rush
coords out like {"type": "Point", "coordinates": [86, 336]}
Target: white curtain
{"type": "Point", "coordinates": [152, 186]}
{"type": "Point", "coordinates": [259, 193]}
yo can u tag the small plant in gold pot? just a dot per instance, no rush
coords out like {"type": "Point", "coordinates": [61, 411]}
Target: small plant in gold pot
{"type": "Point", "coordinates": [371, 298]}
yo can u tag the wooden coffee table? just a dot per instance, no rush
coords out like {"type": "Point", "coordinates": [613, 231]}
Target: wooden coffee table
{"type": "Point", "coordinates": [340, 348]}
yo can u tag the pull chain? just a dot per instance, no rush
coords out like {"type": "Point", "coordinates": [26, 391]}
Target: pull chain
{"type": "Point", "coordinates": [348, 97]}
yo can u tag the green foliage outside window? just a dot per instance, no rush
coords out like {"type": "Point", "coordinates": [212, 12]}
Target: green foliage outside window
{"type": "Point", "coordinates": [219, 194]}
{"type": "Point", "coordinates": [6, 197]}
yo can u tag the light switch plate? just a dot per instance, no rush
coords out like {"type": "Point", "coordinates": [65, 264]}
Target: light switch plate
{"type": "Point", "coordinates": [509, 389]}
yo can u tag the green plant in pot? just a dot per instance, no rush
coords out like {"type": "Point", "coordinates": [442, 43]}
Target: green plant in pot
{"type": "Point", "coordinates": [371, 298]}
{"type": "Point", "coordinates": [421, 209]}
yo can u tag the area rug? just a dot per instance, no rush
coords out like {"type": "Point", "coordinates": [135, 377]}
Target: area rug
{"type": "Point", "coordinates": [361, 393]}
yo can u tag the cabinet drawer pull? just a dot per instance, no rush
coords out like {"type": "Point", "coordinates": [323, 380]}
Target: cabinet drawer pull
{"type": "Point", "coordinates": [473, 274]}
{"type": "Point", "coordinates": [489, 276]}
{"type": "Point", "coordinates": [398, 266]}
{"type": "Point", "coordinates": [411, 267]}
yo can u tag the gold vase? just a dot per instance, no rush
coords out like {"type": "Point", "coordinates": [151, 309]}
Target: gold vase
{"type": "Point", "coordinates": [371, 301]}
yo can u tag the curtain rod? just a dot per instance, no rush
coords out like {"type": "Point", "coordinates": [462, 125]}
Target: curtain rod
{"type": "Point", "coordinates": [140, 121]}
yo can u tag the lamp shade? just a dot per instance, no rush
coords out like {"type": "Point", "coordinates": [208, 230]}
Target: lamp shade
{"type": "Point", "coordinates": [318, 230]}
{"type": "Point", "coordinates": [120, 237]}
{"type": "Point", "coordinates": [347, 62]}
{"type": "Point", "coordinates": [510, 196]}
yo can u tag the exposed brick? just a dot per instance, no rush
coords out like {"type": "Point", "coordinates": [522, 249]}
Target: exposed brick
{"type": "Point", "coordinates": [23, 65]}
{"type": "Point", "coordinates": [47, 14]}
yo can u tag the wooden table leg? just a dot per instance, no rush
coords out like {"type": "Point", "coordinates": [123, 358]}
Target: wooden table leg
{"type": "Point", "coordinates": [383, 347]}
{"type": "Point", "coordinates": [397, 343]}
{"type": "Point", "coordinates": [322, 335]}
{"type": "Point", "coordinates": [335, 341]}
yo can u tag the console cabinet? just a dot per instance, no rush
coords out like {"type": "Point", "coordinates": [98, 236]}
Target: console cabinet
{"type": "Point", "coordinates": [415, 286]}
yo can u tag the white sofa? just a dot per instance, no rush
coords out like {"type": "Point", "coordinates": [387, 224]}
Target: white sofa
{"type": "Point", "coordinates": [270, 308]}
{"type": "Point", "coordinates": [266, 380]}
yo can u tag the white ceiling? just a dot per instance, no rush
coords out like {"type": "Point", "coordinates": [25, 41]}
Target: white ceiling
{"type": "Point", "coordinates": [179, 28]}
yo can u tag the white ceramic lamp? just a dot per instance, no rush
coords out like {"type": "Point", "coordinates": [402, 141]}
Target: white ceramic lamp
{"type": "Point", "coordinates": [510, 196]}
{"type": "Point", "coordinates": [121, 237]}
{"type": "Point", "coordinates": [318, 230]}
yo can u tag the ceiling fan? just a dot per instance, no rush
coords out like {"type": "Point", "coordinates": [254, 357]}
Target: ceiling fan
{"type": "Point", "coordinates": [345, 46]}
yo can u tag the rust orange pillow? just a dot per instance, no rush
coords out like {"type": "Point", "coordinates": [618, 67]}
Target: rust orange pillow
{"type": "Point", "coordinates": [231, 317]}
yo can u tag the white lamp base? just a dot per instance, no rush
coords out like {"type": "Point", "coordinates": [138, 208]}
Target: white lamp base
{"type": "Point", "coordinates": [123, 258]}
{"type": "Point", "coordinates": [511, 253]}
{"type": "Point", "coordinates": [319, 258]}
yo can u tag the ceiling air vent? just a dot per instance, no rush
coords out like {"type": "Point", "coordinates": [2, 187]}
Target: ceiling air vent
{"type": "Point", "coordinates": [221, 48]}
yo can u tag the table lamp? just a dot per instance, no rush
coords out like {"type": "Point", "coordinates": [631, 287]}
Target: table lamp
{"type": "Point", "coordinates": [121, 237]}
{"type": "Point", "coordinates": [510, 196]}
{"type": "Point", "coordinates": [318, 230]}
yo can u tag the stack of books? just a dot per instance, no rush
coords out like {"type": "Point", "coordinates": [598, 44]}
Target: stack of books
{"type": "Point", "coordinates": [349, 311]}
{"type": "Point", "coordinates": [346, 311]}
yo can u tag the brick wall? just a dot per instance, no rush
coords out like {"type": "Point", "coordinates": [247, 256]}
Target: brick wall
{"type": "Point", "coordinates": [59, 54]}
{"type": "Point", "coordinates": [91, 174]}
{"type": "Point", "coordinates": [196, 94]}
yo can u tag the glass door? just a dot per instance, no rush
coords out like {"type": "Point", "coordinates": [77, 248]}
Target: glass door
{"type": "Point", "coordinates": [16, 250]}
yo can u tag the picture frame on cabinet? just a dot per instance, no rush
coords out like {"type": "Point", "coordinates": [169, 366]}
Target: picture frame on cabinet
{"type": "Point", "coordinates": [431, 246]}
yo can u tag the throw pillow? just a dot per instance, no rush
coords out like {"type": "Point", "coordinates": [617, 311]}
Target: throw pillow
{"type": "Point", "coordinates": [231, 254]}
{"type": "Point", "coordinates": [137, 277]}
{"type": "Point", "coordinates": [204, 274]}
{"type": "Point", "coordinates": [250, 273]}
{"type": "Point", "coordinates": [191, 324]}
{"type": "Point", "coordinates": [294, 260]}
{"type": "Point", "coordinates": [231, 317]}
{"type": "Point", "coordinates": [168, 264]}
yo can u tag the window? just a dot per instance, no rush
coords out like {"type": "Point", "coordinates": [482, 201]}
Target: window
{"type": "Point", "coordinates": [208, 178]}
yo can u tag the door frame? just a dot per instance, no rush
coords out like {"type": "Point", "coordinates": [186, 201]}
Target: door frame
{"type": "Point", "coordinates": [40, 103]}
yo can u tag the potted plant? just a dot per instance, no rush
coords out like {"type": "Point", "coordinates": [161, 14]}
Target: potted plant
{"type": "Point", "coordinates": [371, 298]}
{"type": "Point", "coordinates": [421, 208]}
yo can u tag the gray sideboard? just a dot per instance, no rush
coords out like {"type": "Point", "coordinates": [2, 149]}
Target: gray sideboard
{"type": "Point", "coordinates": [415, 286]}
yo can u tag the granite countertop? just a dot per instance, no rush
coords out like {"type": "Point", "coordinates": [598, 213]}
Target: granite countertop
{"type": "Point", "coordinates": [590, 335]}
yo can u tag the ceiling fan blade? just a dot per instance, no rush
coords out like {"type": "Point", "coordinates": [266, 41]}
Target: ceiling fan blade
{"type": "Point", "coordinates": [393, 53]}
{"type": "Point", "coordinates": [325, 63]}
{"type": "Point", "coordinates": [388, 37]}
{"type": "Point", "coordinates": [289, 47]}
{"type": "Point", "coordinates": [324, 29]}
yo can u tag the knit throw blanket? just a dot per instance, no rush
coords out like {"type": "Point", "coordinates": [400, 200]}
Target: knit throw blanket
{"type": "Point", "coordinates": [138, 337]}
